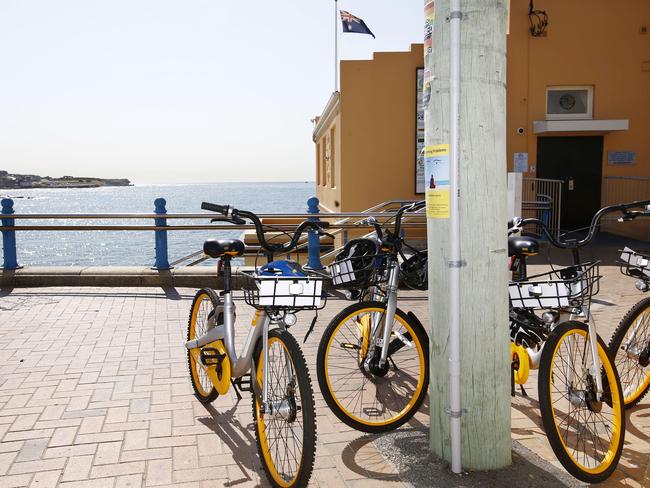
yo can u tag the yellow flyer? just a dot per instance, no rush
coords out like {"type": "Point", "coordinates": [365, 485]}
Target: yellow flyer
{"type": "Point", "coordinates": [436, 178]}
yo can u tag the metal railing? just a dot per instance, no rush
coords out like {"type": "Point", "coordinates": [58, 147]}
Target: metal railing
{"type": "Point", "coordinates": [542, 199]}
{"type": "Point", "coordinates": [622, 189]}
{"type": "Point", "coordinates": [342, 222]}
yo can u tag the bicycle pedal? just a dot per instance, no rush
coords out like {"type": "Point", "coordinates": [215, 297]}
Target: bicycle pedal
{"type": "Point", "coordinates": [243, 383]}
{"type": "Point", "coordinates": [211, 357]}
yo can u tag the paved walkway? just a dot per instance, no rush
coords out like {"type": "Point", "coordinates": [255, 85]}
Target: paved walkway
{"type": "Point", "coordinates": [94, 392]}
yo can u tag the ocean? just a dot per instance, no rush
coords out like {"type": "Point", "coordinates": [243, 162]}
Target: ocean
{"type": "Point", "coordinates": [136, 248]}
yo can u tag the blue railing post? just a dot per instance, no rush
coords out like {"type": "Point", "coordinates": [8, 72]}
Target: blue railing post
{"type": "Point", "coordinates": [162, 260]}
{"type": "Point", "coordinates": [8, 236]}
{"type": "Point", "coordinates": [313, 239]}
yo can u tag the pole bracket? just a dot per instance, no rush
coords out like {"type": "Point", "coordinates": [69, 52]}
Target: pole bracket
{"type": "Point", "coordinates": [456, 14]}
{"type": "Point", "coordinates": [457, 264]}
{"type": "Point", "coordinates": [457, 414]}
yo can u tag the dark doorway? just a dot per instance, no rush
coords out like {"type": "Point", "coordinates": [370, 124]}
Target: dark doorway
{"type": "Point", "coordinates": [578, 161]}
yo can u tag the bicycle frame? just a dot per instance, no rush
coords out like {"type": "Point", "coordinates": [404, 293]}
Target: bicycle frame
{"type": "Point", "coordinates": [240, 364]}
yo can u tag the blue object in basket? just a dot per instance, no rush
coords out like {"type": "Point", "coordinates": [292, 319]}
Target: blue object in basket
{"type": "Point", "coordinates": [282, 268]}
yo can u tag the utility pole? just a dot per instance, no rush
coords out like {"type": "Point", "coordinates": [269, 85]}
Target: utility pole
{"type": "Point", "coordinates": [465, 155]}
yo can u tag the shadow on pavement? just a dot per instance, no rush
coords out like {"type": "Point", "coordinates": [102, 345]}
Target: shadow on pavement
{"type": "Point", "coordinates": [408, 450]}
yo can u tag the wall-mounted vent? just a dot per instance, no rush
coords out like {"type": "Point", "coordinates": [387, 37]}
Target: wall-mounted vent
{"type": "Point", "coordinates": [569, 102]}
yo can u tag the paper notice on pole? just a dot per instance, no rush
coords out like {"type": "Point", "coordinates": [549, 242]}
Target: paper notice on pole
{"type": "Point", "coordinates": [436, 163]}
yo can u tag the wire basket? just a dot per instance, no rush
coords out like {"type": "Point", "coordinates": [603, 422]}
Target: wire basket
{"type": "Point", "coordinates": [635, 264]}
{"type": "Point", "coordinates": [358, 272]}
{"type": "Point", "coordinates": [566, 288]}
{"type": "Point", "coordinates": [284, 292]}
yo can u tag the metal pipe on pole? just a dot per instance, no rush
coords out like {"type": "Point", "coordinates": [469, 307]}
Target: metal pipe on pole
{"type": "Point", "coordinates": [455, 261]}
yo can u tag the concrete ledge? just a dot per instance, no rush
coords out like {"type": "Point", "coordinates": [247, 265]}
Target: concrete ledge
{"type": "Point", "coordinates": [41, 276]}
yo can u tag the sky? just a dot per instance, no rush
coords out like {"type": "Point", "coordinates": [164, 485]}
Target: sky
{"type": "Point", "coordinates": [177, 91]}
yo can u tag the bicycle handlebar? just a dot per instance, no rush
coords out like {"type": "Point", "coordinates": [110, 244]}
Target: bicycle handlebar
{"type": "Point", "coordinates": [624, 208]}
{"type": "Point", "coordinates": [406, 208]}
{"type": "Point", "coordinates": [238, 216]}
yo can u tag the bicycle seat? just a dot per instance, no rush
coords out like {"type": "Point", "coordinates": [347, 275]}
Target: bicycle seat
{"type": "Point", "coordinates": [218, 247]}
{"type": "Point", "coordinates": [522, 246]}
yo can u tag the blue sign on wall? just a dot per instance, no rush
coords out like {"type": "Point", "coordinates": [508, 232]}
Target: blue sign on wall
{"type": "Point", "coordinates": [621, 157]}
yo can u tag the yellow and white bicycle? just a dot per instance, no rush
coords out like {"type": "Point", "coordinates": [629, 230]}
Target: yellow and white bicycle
{"type": "Point", "coordinates": [271, 364]}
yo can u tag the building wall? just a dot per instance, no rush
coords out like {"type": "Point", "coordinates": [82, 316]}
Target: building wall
{"type": "Point", "coordinates": [596, 43]}
{"type": "Point", "coordinates": [328, 165]}
{"type": "Point", "coordinates": [375, 128]}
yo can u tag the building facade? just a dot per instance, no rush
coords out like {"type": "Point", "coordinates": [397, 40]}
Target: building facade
{"type": "Point", "coordinates": [578, 110]}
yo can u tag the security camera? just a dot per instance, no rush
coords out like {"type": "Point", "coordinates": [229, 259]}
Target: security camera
{"type": "Point", "coordinates": [520, 130]}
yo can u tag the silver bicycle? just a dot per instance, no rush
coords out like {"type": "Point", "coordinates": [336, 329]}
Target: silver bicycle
{"type": "Point", "coordinates": [270, 364]}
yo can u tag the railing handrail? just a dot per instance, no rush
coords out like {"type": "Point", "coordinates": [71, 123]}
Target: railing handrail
{"type": "Point", "coordinates": [40, 216]}
{"type": "Point", "coordinates": [530, 178]}
{"type": "Point", "coordinates": [342, 221]}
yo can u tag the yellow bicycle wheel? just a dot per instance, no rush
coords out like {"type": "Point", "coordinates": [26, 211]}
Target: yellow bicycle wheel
{"type": "Point", "coordinates": [285, 432]}
{"type": "Point", "coordinates": [204, 304]}
{"type": "Point", "coordinates": [585, 431]}
{"type": "Point", "coordinates": [368, 397]}
{"type": "Point", "coordinates": [630, 346]}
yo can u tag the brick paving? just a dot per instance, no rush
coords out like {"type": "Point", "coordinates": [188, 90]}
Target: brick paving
{"type": "Point", "coordinates": [94, 392]}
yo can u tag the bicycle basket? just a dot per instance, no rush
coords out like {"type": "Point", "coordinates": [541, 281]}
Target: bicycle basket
{"type": "Point", "coordinates": [565, 288]}
{"type": "Point", "coordinates": [356, 266]}
{"type": "Point", "coordinates": [284, 293]}
{"type": "Point", "coordinates": [635, 264]}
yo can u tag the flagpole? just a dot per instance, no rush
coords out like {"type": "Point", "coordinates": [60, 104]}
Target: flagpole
{"type": "Point", "coordinates": [336, 45]}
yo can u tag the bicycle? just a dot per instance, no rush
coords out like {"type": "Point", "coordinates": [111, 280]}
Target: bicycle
{"type": "Point", "coordinates": [630, 342]}
{"type": "Point", "coordinates": [580, 395]}
{"type": "Point", "coordinates": [359, 352]}
{"type": "Point", "coordinates": [271, 364]}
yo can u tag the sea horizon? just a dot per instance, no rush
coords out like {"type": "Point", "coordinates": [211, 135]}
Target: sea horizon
{"type": "Point", "coordinates": [136, 248]}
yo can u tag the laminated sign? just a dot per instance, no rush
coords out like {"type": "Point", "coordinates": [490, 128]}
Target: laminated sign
{"type": "Point", "coordinates": [436, 165]}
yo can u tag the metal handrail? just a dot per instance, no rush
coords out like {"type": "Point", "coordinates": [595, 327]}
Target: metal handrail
{"type": "Point", "coordinates": [345, 220]}
{"type": "Point", "coordinates": [278, 227]}
{"type": "Point", "coordinates": [369, 212]}
{"type": "Point", "coordinates": [346, 215]}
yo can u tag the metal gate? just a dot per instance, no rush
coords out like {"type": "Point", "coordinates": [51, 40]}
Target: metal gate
{"type": "Point", "coordinates": [542, 199]}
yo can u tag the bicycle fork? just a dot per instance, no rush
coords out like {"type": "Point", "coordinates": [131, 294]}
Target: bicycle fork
{"type": "Point", "coordinates": [384, 325]}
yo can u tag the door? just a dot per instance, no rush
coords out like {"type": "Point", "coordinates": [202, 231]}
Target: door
{"type": "Point", "coordinates": [578, 161]}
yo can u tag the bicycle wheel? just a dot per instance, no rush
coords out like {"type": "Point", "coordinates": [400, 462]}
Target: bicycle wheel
{"type": "Point", "coordinates": [630, 346]}
{"type": "Point", "coordinates": [204, 303]}
{"type": "Point", "coordinates": [381, 399]}
{"type": "Point", "coordinates": [586, 434]}
{"type": "Point", "coordinates": [285, 435]}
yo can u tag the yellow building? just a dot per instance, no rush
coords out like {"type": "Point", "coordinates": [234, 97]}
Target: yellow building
{"type": "Point", "coordinates": [578, 110]}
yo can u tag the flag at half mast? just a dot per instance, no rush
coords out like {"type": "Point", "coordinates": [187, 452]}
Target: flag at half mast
{"type": "Point", "coordinates": [354, 24]}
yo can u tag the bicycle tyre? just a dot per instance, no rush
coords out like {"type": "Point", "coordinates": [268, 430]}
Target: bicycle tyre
{"type": "Point", "coordinates": [569, 457]}
{"type": "Point", "coordinates": [283, 341]}
{"type": "Point", "coordinates": [633, 390]}
{"type": "Point", "coordinates": [204, 299]}
{"type": "Point", "coordinates": [413, 399]}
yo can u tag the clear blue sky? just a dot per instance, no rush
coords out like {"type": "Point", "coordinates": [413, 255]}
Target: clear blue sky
{"type": "Point", "coordinates": [177, 90]}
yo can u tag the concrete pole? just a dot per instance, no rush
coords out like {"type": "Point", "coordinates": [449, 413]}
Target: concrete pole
{"type": "Point", "coordinates": [481, 183]}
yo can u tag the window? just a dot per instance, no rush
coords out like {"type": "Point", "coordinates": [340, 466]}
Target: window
{"type": "Point", "coordinates": [323, 161]}
{"type": "Point", "coordinates": [332, 161]}
{"type": "Point", "coordinates": [569, 102]}
{"type": "Point", "coordinates": [318, 163]}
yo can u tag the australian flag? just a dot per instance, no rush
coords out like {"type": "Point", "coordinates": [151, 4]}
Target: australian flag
{"type": "Point", "coordinates": [354, 24]}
